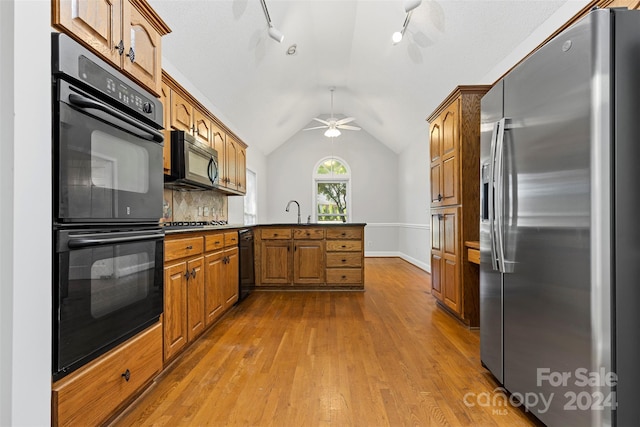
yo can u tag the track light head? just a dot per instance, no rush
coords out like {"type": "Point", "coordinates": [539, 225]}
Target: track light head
{"type": "Point", "coordinates": [409, 5]}
{"type": "Point", "coordinates": [275, 34]}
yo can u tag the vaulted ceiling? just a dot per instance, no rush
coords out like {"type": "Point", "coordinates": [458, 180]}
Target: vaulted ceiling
{"type": "Point", "coordinates": [266, 96]}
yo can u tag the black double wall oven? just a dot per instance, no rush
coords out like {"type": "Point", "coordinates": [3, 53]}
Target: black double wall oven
{"type": "Point", "coordinates": [107, 192]}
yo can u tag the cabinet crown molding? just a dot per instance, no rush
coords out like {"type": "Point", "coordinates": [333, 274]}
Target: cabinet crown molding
{"type": "Point", "coordinates": [459, 90]}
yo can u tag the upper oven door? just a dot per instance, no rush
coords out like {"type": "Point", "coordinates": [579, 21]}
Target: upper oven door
{"type": "Point", "coordinates": [108, 165]}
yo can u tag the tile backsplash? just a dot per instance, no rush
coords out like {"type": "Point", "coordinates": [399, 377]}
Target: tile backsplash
{"type": "Point", "coordinates": [194, 205]}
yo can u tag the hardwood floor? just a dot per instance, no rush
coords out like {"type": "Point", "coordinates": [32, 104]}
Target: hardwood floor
{"type": "Point", "coordinates": [384, 357]}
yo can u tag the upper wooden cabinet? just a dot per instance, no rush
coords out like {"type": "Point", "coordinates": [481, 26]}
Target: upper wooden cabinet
{"type": "Point", "coordinates": [185, 113]}
{"type": "Point", "coordinates": [454, 133]}
{"type": "Point", "coordinates": [126, 33]}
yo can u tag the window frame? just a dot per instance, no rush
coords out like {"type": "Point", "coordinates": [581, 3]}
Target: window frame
{"type": "Point", "coordinates": [331, 178]}
{"type": "Point", "coordinates": [245, 213]}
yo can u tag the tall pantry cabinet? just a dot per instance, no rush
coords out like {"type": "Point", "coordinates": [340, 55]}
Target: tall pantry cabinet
{"type": "Point", "coordinates": [454, 138]}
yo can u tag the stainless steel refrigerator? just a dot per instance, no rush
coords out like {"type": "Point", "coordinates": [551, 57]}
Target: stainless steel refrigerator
{"type": "Point", "coordinates": [560, 225]}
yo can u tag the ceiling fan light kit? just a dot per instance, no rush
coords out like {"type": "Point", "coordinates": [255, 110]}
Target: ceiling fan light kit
{"type": "Point", "coordinates": [273, 31]}
{"type": "Point", "coordinates": [332, 125]}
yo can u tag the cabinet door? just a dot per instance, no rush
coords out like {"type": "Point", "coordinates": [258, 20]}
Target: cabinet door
{"type": "Point", "coordinates": [451, 259]}
{"type": "Point", "coordinates": [175, 309]}
{"type": "Point", "coordinates": [141, 57]}
{"type": "Point", "coordinates": [231, 154]}
{"type": "Point", "coordinates": [165, 97]}
{"type": "Point", "coordinates": [218, 142]}
{"type": "Point", "coordinates": [308, 262]}
{"type": "Point", "coordinates": [274, 262]}
{"type": "Point", "coordinates": [195, 297]}
{"type": "Point", "coordinates": [202, 127]}
{"type": "Point", "coordinates": [231, 277]}
{"type": "Point", "coordinates": [436, 255]}
{"type": "Point", "coordinates": [435, 143]}
{"type": "Point", "coordinates": [450, 157]}
{"type": "Point", "coordinates": [214, 279]}
{"type": "Point", "coordinates": [241, 169]}
{"type": "Point", "coordinates": [181, 113]}
{"type": "Point", "coordinates": [98, 23]}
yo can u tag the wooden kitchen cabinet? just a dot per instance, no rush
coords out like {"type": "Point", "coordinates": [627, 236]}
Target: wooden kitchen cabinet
{"type": "Point", "coordinates": [310, 257]}
{"type": "Point", "coordinates": [308, 262]}
{"type": "Point", "coordinates": [126, 33]}
{"type": "Point", "coordinates": [97, 391]}
{"type": "Point", "coordinates": [184, 311]}
{"type": "Point", "coordinates": [201, 284]}
{"type": "Point", "coordinates": [454, 133]}
{"type": "Point", "coordinates": [187, 114]}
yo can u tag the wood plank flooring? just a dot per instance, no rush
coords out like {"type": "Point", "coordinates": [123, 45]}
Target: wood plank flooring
{"type": "Point", "coordinates": [384, 357]}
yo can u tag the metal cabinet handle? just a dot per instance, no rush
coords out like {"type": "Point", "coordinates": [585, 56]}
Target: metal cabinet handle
{"type": "Point", "coordinates": [186, 275]}
{"type": "Point", "coordinates": [189, 247]}
{"type": "Point", "coordinates": [344, 277]}
{"type": "Point", "coordinates": [439, 197]}
{"type": "Point", "coordinates": [217, 242]}
{"type": "Point", "coordinates": [193, 273]}
{"type": "Point", "coordinates": [344, 246]}
{"type": "Point", "coordinates": [344, 260]}
{"type": "Point", "coordinates": [126, 375]}
{"type": "Point", "coordinates": [131, 55]}
{"type": "Point", "coordinates": [119, 47]}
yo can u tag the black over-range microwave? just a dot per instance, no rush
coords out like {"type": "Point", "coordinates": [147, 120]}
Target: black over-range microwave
{"type": "Point", "coordinates": [194, 165]}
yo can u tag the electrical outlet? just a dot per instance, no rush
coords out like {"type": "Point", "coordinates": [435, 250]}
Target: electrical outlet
{"type": "Point", "coordinates": [199, 210]}
{"type": "Point", "coordinates": [206, 211]}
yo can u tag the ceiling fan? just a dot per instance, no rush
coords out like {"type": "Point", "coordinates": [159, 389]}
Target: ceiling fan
{"type": "Point", "coordinates": [332, 125]}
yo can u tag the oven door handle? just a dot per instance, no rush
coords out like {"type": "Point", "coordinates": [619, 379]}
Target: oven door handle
{"type": "Point", "coordinates": [83, 242]}
{"type": "Point", "coordinates": [84, 102]}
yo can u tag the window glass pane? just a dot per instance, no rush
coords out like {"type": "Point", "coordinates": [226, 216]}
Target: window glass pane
{"type": "Point", "coordinates": [331, 201]}
{"type": "Point", "coordinates": [331, 167]}
{"type": "Point", "coordinates": [250, 199]}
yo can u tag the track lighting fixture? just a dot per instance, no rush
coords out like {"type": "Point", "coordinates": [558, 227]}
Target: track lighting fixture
{"type": "Point", "coordinates": [273, 31]}
{"type": "Point", "coordinates": [409, 6]}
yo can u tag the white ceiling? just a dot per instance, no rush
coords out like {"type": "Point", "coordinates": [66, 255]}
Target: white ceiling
{"type": "Point", "coordinates": [222, 48]}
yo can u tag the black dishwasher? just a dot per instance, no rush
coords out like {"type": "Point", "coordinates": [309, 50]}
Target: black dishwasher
{"type": "Point", "coordinates": [247, 278]}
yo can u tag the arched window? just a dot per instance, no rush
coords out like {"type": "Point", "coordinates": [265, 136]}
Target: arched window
{"type": "Point", "coordinates": [332, 190]}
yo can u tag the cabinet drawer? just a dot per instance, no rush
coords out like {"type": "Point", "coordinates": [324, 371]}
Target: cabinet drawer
{"type": "Point", "coordinates": [181, 248]}
{"type": "Point", "coordinates": [276, 233]}
{"type": "Point", "coordinates": [344, 275]}
{"type": "Point", "coordinates": [92, 394]}
{"type": "Point", "coordinates": [344, 233]}
{"type": "Point", "coordinates": [213, 242]}
{"type": "Point", "coordinates": [231, 238]}
{"type": "Point", "coordinates": [347, 259]}
{"type": "Point", "coordinates": [308, 233]}
{"type": "Point", "coordinates": [344, 245]}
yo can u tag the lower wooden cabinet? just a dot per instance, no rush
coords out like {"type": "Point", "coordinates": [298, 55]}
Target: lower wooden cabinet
{"type": "Point", "coordinates": [93, 394]}
{"type": "Point", "coordinates": [201, 284]}
{"type": "Point", "coordinates": [307, 257]}
{"type": "Point", "coordinates": [446, 258]}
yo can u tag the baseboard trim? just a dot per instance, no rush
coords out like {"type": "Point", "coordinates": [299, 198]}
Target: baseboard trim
{"type": "Point", "coordinates": [390, 254]}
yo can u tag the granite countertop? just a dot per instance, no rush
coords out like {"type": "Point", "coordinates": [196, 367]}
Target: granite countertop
{"type": "Point", "coordinates": [204, 228]}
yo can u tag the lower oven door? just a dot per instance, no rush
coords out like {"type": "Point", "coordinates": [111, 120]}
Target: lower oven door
{"type": "Point", "coordinates": [108, 165]}
{"type": "Point", "coordinates": [109, 287]}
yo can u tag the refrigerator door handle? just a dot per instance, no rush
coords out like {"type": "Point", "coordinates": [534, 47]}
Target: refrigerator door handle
{"type": "Point", "coordinates": [491, 197]}
{"type": "Point", "coordinates": [499, 214]}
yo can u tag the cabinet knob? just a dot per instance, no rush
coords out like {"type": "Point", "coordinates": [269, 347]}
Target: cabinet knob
{"type": "Point", "coordinates": [439, 197]}
{"type": "Point", "coordinates": [126, 375]}
{"type": "Point", "coordinates": [344, 277]}
{"type": "Point", "coordinates": [189, 247]}
{"type": "Point", "coordinates": [344, 246]}
{"type": "Point", "coordinates": [193, 273]}
{"type": "Point", "coordinates": [131, 55]}
{"type": "Point", "coordinates": [344, 260]}
{"type": "Point", "coordinates": [119, 47]}
{"type": "Point", "coordinates": [186, 275]}
{"type": "Point", "coordinates": [344, 234]}
{"type": "Point", "coordinates": [217, 242]}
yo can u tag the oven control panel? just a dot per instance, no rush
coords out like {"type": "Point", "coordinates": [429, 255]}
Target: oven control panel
{"type": "Point", "coordinates": [115, 88]}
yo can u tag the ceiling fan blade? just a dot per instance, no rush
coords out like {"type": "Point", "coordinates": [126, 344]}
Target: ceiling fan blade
{"type": "Point", "coordinates": [324, 122]}
{"type": "Point", "coordinates": [345, 120]}
{"type": "Point", "coordinates": [348, 127]}
{"type": "Point", "coordinates": [317, 127]}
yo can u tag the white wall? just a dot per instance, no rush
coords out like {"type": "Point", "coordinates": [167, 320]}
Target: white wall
{"type": "Point", "coordinates": [414, 232]}
{"type": "Point", "coordinates": [257, 162]}
{"type": "Point", "coordinates": [374, 182]}
{"type": "Point", "coordinates": [25, 207]}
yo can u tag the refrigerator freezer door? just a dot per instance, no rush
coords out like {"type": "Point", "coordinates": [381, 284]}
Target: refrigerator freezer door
{"type": "Point", "coordinates": [491, 347]}
{"type": "Point", "coordinates": [547, 321]}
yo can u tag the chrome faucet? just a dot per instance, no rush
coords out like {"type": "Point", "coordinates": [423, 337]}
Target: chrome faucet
{"type": "Point", "coordinates": [289, 204]}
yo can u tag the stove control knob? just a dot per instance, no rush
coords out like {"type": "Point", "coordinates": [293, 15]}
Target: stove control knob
{"type": "Point", "coordinates": [147, 107]}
